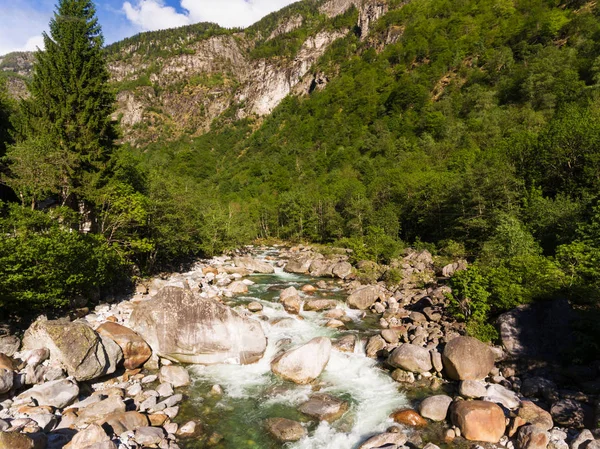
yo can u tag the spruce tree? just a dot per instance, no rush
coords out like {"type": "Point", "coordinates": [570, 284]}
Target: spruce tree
{"type": "Point", "coordinates": [71, 103]}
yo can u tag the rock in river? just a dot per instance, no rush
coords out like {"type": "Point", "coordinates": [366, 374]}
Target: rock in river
{"type": "Point", "coordinates": [411, 357]}
{"type": "Point", "coordinates": [324, 407]}
{"type": "Point", "coordinates": [187, 328]}
{"type": "Point", "coordinates": [305, 363]}
{"type": "Point", "coordinates": [285, 429]}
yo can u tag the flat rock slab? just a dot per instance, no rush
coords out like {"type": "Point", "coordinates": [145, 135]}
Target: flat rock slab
{"type": "Point", "coordinates": [285, 430]}
{"type": "Point", "coordinates": [324, 407]}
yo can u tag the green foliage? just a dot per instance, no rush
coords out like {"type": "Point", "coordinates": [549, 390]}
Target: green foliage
{"type": "Point", "coordinates": [43, 265]}
{"type": "Point", "coordinates": [471, 302]}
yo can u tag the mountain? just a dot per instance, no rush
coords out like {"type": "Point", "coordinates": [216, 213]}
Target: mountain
{"type": "Point", "coordinates": [175, 82]}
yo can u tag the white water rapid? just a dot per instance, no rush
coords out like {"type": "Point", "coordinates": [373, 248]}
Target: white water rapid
{"type": "Point", "coordinates": [372, 394]}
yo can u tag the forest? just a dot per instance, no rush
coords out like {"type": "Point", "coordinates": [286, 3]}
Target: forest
{"type": "Point", "coordinates": [475, 135]}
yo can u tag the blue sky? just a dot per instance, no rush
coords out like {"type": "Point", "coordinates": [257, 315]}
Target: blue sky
{"type": "Point", "coordinates": [23, 21]}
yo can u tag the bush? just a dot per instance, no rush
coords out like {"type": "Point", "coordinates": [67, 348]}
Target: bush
{"type": "Point", "coordinates": [44, 265]}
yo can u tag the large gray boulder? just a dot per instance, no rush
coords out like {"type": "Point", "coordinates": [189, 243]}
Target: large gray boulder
{"type": "Point", "coordinates": [184, 327]}
{"type": "Point", "coordinates": [466, 358]}
{"type": "Point", "coordinates": [57, 393]}
{"type": "Point", "coordinates": [541, 331]}
{"type": "Point", "coordinates": [342, 270]}
{"type": "Point", "coordinates": [251, 264]}
{"type": "Point", "coordinates": [305, 363]}
{"type": "Point", "coordinates": [299, 265]}
{"type": "Point", "coordinates": [364, 297]}
{"type": "Point", "coordinates": [411, 358]}
{"type": "Point", "coordinates": [74, 345]}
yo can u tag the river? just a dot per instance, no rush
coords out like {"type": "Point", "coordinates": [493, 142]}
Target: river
{"type": "Point", "coordinates": [252, 393]}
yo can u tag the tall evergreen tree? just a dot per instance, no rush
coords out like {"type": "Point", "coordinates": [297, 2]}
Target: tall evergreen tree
{"type": "Point", "coordinates": [69, 110]}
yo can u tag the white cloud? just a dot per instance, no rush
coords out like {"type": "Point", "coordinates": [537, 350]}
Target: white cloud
{"type": "Point", "coordinates": [33, 43]}
{"type": "Point", "coordinates": [21, 26]}
{"type": "Point", "coordinates": [150, 15]}
{"type": "Point", "coordinates": [153, 14]}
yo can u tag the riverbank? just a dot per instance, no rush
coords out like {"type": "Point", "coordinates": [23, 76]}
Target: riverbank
{"type": "Point", "coordinates": [299, 350]}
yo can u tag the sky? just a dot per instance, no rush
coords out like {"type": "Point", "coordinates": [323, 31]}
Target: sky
{"type": "Point", "coordinates": [22, 22]}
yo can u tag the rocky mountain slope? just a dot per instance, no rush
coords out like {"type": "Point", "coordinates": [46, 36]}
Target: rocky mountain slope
{"type": "Point", "coordinates": [176, 82]}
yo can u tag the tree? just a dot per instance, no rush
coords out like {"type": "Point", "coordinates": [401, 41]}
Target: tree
{"type": "Point", "coordinates": [70, 105]}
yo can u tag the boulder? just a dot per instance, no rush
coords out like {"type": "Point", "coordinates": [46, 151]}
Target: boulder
{"type": "Point", "coordinates": [532, 437]}
{"type": "Point", "coordinates": [502, 395]}
{"type": "Point", "coordinates": [285, 430]}
{"type": "Point", "coordinates": [299, 265]}
{"type": "Point", "coordinates": [149, 436]}
{"type": "Point", "coordinates": [389, 439]}
{"type": "Point", "coordinates": [374, 346]}
{"type": "Point", "coordinates": [100, 410]}
{"type": "Point", "coordinates": [409, 417]}
{"type": "Point", "coordinates": [569, 413]}
{"type": "Point", "coordinates": [237, 287]}
{"type": "Point", "coordinates": [114, 354]}
{"type": "Point", "coordinates": [537, 416]}
{"type": "Point", "coordinates": [177, 376]}
{"type": "Point", "coordinates": [321, 268]}
{"type": "Point", "coordinates": [320, 304]}
{"type": "Point", "coordinates": [347, 343]}
{"type": "Point", "coordinates": [540, 330]}
{"type": "Point", "coordinates": [411, 357]}
{"type": "Point", "coordinates": [251, 264]}
{"type": "Point", "coordinates": [255, 306]}
{"type": "Point", "coordinates": [436, 407]}
{"type": "Point", "coordinates": [466, 358]}
{"type": "Point", "coordinates": [472, 389]}
{"type": "Point", "coordinates": [324, 407]}
{"type": "Point", "coordinates": [342, 270]}
{"type": "Point", "coordinates": [135, 350]}
{"type": "Point", "coordinates": [290, 298]}
{"type": "Point", "coordinates": [121, 422]}
{"type": "Point", "coordinates": [57, 393]}
{"type": "Point", "coordinates": [364, 297]}
{"type": "Point", "coordinates": [6, 380]}
{"type": "Point", "coordinates": [15, 440]}
{"type": "Point", "coordinates": [479, 420]}
{"type": "Point", "coordinates": [74, 345]}
{"type": "Point", "coordinates": [9, 344]}
{"type": "Point", "coordinates": [6, 362]}
{"type": "Point", "coordinates": [305, 363]}
{"type": "Point", "coordinates": [181, 326]}
{"type": "Point", "coordinates": [93, 434]}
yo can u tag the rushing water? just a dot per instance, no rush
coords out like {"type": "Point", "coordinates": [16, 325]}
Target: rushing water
{"type": "Point", "coordinates": [252, 393]}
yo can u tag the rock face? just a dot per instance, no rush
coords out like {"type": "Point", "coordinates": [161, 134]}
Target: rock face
{"type": "Point", "coordinates": [251, 264]}
{"type": "Point", "coordinates": [285, 429]}
{"type": "Point", "coordinates": [74, 345]}
{"type": "Point", "coordinates": [363, 298]}
{"type": "Point", "coordinates": [135, 350]}
{"type": "Point", "coordinates": [541, 331]}
{"type": "Point", "coordinates": [411, 358]}
{"type": "Point", "coordinates": [184, 327]}
{"type": "Point", "coordinates": [466, 358]}
{"type": "Point", "coordinates": [479, 420]}
{"type": "Point", "coordinates": [324, 407]}
{"type": "Point", "coordinates": [305, 363]}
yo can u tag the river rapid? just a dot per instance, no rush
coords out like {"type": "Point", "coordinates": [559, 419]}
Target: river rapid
{"type": "Point", "coordinates": [252, 393]}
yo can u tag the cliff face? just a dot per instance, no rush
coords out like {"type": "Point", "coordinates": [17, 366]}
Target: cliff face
{"type": "Point", "coordinates": [178, 82]}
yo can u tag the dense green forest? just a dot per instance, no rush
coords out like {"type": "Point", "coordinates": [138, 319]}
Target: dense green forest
{"type": "Point", "coordinates": [476, 135]}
